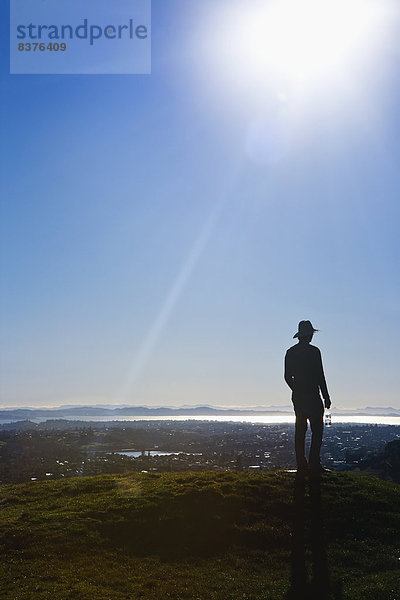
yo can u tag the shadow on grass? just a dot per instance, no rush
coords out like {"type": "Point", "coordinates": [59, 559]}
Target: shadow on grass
{"type": "Point", "coordinates": [200, 523]}
{"type": "Point", "coordinates": [308, 535]}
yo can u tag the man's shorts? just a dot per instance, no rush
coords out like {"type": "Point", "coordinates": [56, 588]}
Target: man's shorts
{"type": "Point", "coordinates": [311, 408]}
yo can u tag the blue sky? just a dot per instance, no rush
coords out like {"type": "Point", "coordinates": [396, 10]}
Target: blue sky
{"type": "Point", "coordinates": [162, 235]}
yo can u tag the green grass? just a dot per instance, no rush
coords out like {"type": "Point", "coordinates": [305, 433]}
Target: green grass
{"type": "Point", "coordinates": [217, 536]}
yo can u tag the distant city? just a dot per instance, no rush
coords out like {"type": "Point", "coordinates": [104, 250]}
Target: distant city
{"type": "Point", "coordinates": [60, 448]}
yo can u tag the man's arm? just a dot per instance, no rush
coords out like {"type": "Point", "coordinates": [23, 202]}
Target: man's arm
{"type": "Point", "coordinates": [289, 377]}
{"type": "Point", "coordinates": [322, 383]}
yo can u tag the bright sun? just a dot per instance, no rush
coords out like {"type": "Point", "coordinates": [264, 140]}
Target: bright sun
{"type": "Point", "coordinates": [292, 41]}
{"type": "Point", "coordinates": [304, 39]}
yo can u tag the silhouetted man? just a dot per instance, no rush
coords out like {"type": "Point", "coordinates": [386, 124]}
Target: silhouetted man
{"type": "Point", "coordinates": [304, 374]}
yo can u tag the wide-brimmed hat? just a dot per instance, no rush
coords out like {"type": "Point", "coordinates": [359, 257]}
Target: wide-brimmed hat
{"type": "Point", "coordinates": [305, 328]}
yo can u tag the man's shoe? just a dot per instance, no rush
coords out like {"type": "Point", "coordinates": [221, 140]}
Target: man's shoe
{"type": "Point", "coordinates": [318, 471]}
{"type": "Point", "coordinates": [302, 470]}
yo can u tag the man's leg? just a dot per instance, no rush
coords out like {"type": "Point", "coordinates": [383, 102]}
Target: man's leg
{"type": "Point", "coordinates": [317, 427]}
{"type": "Point", "coordinates": [299, 439]}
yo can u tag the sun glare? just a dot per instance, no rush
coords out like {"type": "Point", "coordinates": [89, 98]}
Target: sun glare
{"type": "Point", "coordinates": [306, 39]}
{"type": "Point", "coordinates": [292, 41]}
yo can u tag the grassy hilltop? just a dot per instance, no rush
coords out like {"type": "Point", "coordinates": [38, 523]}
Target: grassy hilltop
{"type": "Point", "coordinates": [203, 536]}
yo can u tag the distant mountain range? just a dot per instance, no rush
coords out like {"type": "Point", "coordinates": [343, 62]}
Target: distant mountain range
{"type": "Point", "coordinates": [143, 411]}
